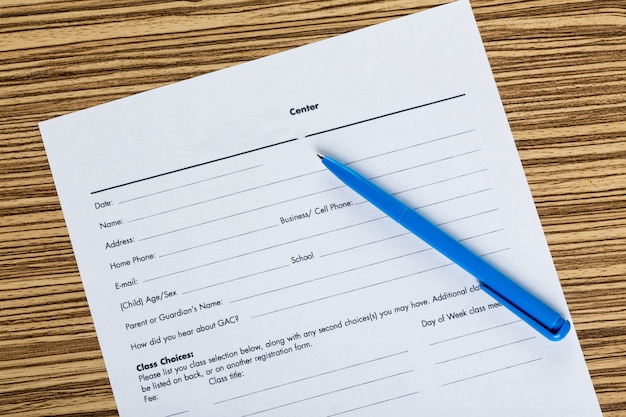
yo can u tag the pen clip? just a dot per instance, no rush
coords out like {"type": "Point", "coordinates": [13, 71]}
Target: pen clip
{"type": "Point", "coordinates": [560, 332]}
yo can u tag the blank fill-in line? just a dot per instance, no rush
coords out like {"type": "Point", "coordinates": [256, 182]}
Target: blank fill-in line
{"type": "Point", "coordinates": [492, 372]}
{"type": "Point", "coordinates": [469, 216]}
{"type": "Point", "coordinates": [266, 206]}
{"type": "Point", "coordinates": [219, 240]}
{"type": "Point", "coordinates": [476, 332]}
{"type": "Point", "coordinates": [362, 245]}
{"type": "Point", "coordinates": [329, 393]}
{"type": "Point", "coordinates": [353, 290]}
{"type": "Point", "coordinates": [297, 177]}
{"type": "Point", "coordinates": [485, 350]}
{"type": "Point", "coordinates": [404, 148]}
{"type": "Point", "coordinates": [238, 214]}
{"type": "Point", "coordinates": [373, 404]}
{"type": "Point", "coordinates": [255, 251]}
{"type": "Point", "coordinates": [423, 164]}
{"type": "Point", "coordinates": [313, 376]}
{"type": "Point", "coordinates": [457, 197]}
{"type": "Point", "coordinates": [237, 279]}
{"type": "Point", "coordinates": [409, 233]}
{"type": "Point", "coordinates": [435, 183]}
{"type": "Point", "coordinates": [456, 177]}
{"type": "Point", "coordinates": [177, 414]}
{"type": "Point", "coordinates": [395, 258]}
{"type": "Point", "coordinates": [225, 196]}
{"type": "Point", "coordinates": [434, 161]}
{"type": "Point", "coordinates": [189, 184]}
{"type": "Point", "coordinates": [446, 200]}
{"type": "Point", "coordinates": [368, 286]}
{"type": "Point", "coordinates": [334, 274]}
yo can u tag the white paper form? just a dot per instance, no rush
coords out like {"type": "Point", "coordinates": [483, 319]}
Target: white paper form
{"type": "Point", "coordinates": [229, 274]}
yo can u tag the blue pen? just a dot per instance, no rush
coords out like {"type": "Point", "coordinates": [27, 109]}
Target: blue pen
{"type": "Point", "coordinates": [525, 305]}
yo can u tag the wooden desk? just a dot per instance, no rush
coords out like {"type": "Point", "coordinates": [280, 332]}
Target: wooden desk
{"type": "Point", "coordinates": [560, 66]}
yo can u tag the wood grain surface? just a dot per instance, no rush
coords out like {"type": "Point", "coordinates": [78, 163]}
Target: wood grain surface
{"type": "Point", "coordinates": [560, 66]}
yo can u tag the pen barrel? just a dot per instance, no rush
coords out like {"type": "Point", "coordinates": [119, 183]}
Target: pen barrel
{"type": "Point", "coordinates": [505, 289]}
{"type": "Point", "coordinates": [525, 305]}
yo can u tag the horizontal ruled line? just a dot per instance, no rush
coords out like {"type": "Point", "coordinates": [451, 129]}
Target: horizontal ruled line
{"type": "Point", "coordinates": [225, 196]}
{"type": "Point", "coordinates": [485, 350]}
{"type": "Point", "coordinates": [404, 148]}
{"type": "Point", "coordinates": [473, 333]}
{"type": "Point", "coordinates": [238, 213]}
{"type": "Point", "coordinates": [296, 198]}
{"type": "Point", "coordinates": [237, 279]}
{"type": "Point", "coordinates": [401, 235]}
{"type": "Point", "coordinates": [367, 286]}
{"type": "Point", "coordinates": [395, 258]}
{"type": "Point", "coordinates": [329, 393]}
{"type": "Point", "coordinates": [386, 115]}
{"type": "Point", "coordinates": [313, 376]}
{"type": "Point", "coordinates": [177, 414]}
{"type": "Point", "coordinates": [255, 251]}
{"type": "Point", "coordinates": [219, 240]}
{"type": "Point", "coordinates": [353, 290]}
{"type": "Point", "coordinates": [331, 275]}
{"type": "Point", "coordinates": [193, 166]}
{"type": "Point", "coordinates": [491, 372]}
{"type": "Point", "coordinates": [375, 403]}
{"type": "Point", "coordinates": [431, 162]}
{"type": "Point", "coordinates": [274, 144]}
{"type": "Point", "coordinates": [189, 184]}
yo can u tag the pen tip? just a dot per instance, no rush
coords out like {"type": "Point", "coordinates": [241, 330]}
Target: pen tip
{"type": "Point", "coordinates": [320, 156]}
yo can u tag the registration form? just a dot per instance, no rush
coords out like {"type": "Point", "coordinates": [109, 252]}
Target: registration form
{"type": "Point", "coordinates": [230, 274]}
